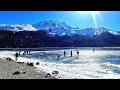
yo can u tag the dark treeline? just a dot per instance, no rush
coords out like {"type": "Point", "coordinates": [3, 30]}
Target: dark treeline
{"type": "Point", "coordinates": [35, 39]}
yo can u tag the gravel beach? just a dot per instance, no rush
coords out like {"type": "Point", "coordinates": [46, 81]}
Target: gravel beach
{"type": "Point", "coordinates": [15, 70]}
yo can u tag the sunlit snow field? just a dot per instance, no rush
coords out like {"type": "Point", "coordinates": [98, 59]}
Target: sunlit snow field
{"type": "Point", "coordinates": [100, 64]}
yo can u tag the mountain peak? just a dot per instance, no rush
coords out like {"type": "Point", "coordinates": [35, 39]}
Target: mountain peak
{"type": "Point", "coordinates": [50, 24]}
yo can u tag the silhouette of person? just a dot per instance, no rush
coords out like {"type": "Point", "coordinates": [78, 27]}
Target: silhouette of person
{"type": "Point", "coordinates": [77, 54]}
{"type": "Point", "coordinates": [64, 53]}
{"type": "Point", "coordinates": [27, 52]}
{"type": "Point", "coordinates": [58, 56]}
{"type": "Point", "coordinates": [23, 54]}
{"type": "Point", "coordinates": [16, 56]}
{"type": "Point", "coordinates": [93, 50]}
{"type": "Point", "coordinates": [71, 53]}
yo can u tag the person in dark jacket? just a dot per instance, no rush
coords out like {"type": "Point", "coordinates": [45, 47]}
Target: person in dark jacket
{"type": "Point", "coordinates": [64, 53]}
{"type": "Point", "coordinates": [16, 56]}
{"type": "Point", "coordinates": [58, 56]}
{"type": "Point", "coordinates": [71, 53]}
{"type": "Point", "coordinates": [27, 52]}
{"type": "Point", "coordinates": [77, 53]}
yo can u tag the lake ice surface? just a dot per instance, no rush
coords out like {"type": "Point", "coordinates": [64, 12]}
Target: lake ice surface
{"type": "Point", "coordinates": [100, 64]}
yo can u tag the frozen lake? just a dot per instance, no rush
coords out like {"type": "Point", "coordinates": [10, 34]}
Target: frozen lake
{"type": "Point", "coordinates": [103, 63]}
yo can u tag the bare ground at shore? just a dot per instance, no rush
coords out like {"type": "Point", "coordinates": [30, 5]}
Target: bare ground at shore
{"type": "Point", "coordinates": [14, 70]}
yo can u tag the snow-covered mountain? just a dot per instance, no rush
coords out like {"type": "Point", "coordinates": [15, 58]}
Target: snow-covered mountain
{"type": "Point", "coordinates": [44, 35]}
{"type": "Point", "coordinates": [51, 25]}
{"type": "Point", "coordinates": [86, 31]}
{"type": "Point", "coordinates": [61, 28]}
{"type": "Point", "coordinates": [55, 27]}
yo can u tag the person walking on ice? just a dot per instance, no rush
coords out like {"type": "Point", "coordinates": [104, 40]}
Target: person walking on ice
{"type": "Point", "coordinates": [58, 56]}
{"type": "Point", "coordinates": [16, 56]}
{"type": "Point", "coordinates": [77, 54]}
{"type": "Point", "coordinates": [64, 53]}
{"type": "Point", "coordinates": [71, 53]}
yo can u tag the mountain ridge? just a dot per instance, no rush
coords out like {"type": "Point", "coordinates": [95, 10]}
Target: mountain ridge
{"type": "Point", "coordinates": [56, 28]}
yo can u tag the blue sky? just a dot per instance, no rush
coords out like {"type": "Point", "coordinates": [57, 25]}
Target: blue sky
{"type": "Point", "coordinates": [81, 19]}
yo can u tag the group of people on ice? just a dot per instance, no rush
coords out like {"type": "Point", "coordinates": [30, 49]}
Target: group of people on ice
{"type": "Point", "coordinates": [28, 52]}
{"type": "Point", "coordinates": [71, 54]}
{"type": "Point", "coordinates": [24, 53]}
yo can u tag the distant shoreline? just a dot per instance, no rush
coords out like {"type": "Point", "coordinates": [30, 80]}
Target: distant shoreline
{"type": "Point", "coordinates": [56, 48]}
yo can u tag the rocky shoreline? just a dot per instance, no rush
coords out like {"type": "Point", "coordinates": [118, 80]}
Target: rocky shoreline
{"type": "Point", "coordinates": [10, 69]}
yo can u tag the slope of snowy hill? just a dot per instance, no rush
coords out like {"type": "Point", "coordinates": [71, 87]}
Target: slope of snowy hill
{"type": "Point", "coordinates": [86, 31]}
{"type": "Point", "coordinates": [104, 30]}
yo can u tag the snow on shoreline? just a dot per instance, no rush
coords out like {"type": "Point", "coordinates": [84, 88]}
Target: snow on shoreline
{"type": "Point", "coordinates": [42, 67]}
